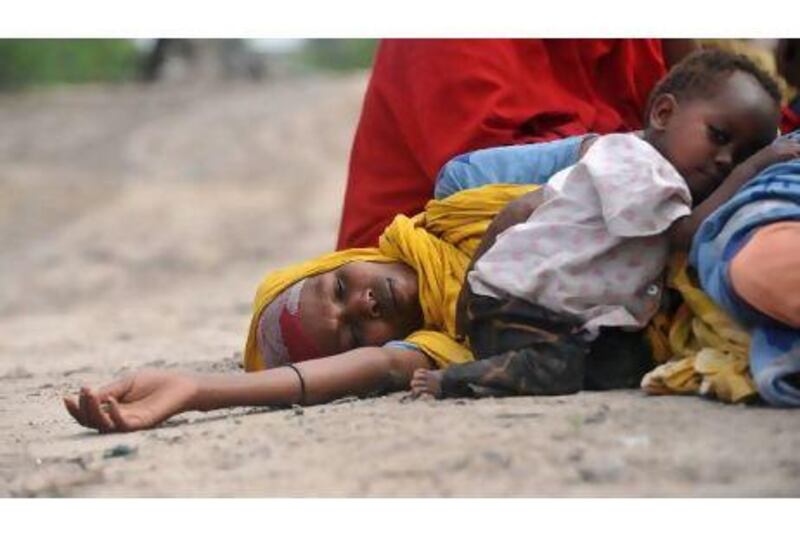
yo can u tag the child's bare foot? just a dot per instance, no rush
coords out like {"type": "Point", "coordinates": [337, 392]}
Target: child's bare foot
{"type": "Point", "coordinates": [426, 381]}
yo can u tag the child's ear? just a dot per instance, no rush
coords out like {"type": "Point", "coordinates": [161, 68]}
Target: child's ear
{"type": "Point", "coordinates": [664, 106]}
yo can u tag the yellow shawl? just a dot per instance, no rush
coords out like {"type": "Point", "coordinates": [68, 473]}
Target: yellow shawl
{"type": "Point", "coordinates": [706, 351]}
{"type": "Point", "coordinates": [438, 243]}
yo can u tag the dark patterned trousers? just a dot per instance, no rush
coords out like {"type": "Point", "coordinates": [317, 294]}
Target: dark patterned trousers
{"type": "Point", "coordinates": [526, 349]}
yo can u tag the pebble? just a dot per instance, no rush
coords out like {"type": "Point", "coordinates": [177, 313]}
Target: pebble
{"type": "Point", "coordinates": [120, 450]}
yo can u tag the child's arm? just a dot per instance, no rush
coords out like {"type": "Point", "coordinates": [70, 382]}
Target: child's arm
{"type": "Point", "coordinates": [515, 212]}
{"type": "Point", "coordinates": [148, 397]}
{"type": "Point", "coordinates": [682, 231]}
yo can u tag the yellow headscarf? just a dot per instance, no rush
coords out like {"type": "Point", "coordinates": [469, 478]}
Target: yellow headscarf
{"type": "Point", "coordinates": [438, 244]}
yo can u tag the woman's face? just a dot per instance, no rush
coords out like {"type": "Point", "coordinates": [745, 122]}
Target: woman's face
{"type": "Point", "coordinates": [360, 304]}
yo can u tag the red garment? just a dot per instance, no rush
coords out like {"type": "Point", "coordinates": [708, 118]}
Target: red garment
{"type": "Point", "coordinates": [790, 117]}
{"type": "Point", "coordinates": [430, 100]}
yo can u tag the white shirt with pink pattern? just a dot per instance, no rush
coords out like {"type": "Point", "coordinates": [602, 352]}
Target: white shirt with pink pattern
{"type": "Point", "coordinates": [596, 247]}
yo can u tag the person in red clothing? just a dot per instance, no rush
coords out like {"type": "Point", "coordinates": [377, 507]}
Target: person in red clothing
{"type": "Point", "coordinates": [429, 100]}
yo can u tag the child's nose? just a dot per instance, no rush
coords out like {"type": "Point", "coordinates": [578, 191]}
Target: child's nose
{"type": "Point", "coordinates": [724, 161]}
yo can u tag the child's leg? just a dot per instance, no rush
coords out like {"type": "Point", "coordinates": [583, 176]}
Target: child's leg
{"type": "Point", "coordinates": [618, 360]}
{"type": "Point", "coordinates": [522, 349]}
{"type": "Point", "coordinates": [497, 326]}
{"type": "Point", "coordinates": [542, 370]}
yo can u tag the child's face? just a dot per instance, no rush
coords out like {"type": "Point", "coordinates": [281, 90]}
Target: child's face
{"type": "Point", "coordinates": [705, 137]}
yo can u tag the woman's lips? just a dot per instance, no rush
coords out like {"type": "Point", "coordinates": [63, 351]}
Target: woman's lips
{"type": "Point", "coordinates": [385, 297]}
{"type": "Point", "coordinates": [388, 298]}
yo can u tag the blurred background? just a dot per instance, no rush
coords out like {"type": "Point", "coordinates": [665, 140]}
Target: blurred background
{"type": "Point", "coordinates": [26, 63]}
{"type": "Point", "coordinates": [146, 186]}
{"type": "Point", "coordinates": [154, 178]}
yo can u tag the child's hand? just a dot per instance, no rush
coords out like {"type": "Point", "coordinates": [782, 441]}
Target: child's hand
{"type": "Point", "coordinates": [138, 401]}
{"type": "Point", "coordinates": [777, 152]}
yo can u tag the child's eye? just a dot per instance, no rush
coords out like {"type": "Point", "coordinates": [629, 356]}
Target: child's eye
{"type": "Point", "coordinates": [717, 135]}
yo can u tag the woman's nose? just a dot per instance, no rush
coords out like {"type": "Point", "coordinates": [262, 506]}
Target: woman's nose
{"type": "Point", "coordinates": [365, 305]}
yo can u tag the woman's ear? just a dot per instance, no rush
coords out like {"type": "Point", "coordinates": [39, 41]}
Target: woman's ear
{"type": "Point", "coordinates": [664, 106]}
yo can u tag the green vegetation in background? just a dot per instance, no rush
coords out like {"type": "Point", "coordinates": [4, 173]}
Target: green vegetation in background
{"type": "Point", "coordinates": [31, 62]}
{"type": "Point", "coordinates": [338, 54]}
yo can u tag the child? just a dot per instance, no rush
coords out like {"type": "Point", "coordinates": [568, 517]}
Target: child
{"type": "Point", "coordinates": [582, 274]}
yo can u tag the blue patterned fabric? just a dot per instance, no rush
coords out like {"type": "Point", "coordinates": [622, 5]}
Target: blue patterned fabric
{"type": "Point", "coordinates": [519, 164]}
{"type": "Point", "coordinates": [402, 345]}
{"type": "Point", "coordinates": [772, 196]}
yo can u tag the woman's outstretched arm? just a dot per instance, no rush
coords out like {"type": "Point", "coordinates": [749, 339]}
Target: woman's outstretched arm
{"type": "Point", "coordinates": [148, 397]}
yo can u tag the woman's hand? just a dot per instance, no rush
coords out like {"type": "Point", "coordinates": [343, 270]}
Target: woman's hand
{"type": "Point", "coordinates": [141, 400]}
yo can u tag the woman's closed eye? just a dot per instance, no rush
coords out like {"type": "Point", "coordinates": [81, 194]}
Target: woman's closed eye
{"type": "Point", "coordinates": [338, 289]}
{"type": "Point", "coordinates": [356, 337]}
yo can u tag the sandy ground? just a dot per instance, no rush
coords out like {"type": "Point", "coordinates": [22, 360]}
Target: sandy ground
{"type": "Point", "coordinates": [135, 223]}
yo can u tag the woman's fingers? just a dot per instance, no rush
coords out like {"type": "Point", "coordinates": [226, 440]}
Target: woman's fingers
{"type": "Point", "coordinates": [83, 405]}
{"type": "Point", "coordinates": [116, 389]}
{"type": "Point", "coordinates": [120, 421]}
{"type": "Point", "coordinates": [91, 407]}
{"type": "Point", "coordinates": [75, 411]}
{"type": "Point", "coordinates": [134, 402]}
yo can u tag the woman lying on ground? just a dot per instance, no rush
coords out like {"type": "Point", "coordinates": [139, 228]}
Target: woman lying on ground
{"type": "Point", "coordinates": [357, 301]}
{"type": "Point", "coordinates": [325, 328]}
{"type": "Point", "coordinates": [403, 294]}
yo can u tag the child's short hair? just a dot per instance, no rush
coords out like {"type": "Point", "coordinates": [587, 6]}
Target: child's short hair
{"type": "Point", "coordinates": [699, 73]}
